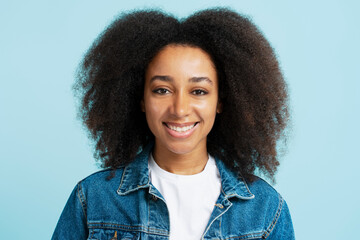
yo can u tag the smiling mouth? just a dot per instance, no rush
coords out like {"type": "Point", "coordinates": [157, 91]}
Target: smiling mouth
{"type": "Point", "coordinates": [180, 129]}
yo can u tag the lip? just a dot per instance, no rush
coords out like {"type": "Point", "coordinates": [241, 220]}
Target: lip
{"type": "Point", "coordinates": [180, 124]}
{"type": "Point", "coordinates": [176, 134]}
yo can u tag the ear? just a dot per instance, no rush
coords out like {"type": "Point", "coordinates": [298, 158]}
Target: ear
{"type": "Point", "coordinates": [142, 105]}
{"type": "Point", "coordinates": [219, 107]}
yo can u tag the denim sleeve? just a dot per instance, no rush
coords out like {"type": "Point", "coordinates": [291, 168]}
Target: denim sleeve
{"type": "Point", "coordinates": [72, 222]}
{"type": "Point", "coordinates": [283, 228]}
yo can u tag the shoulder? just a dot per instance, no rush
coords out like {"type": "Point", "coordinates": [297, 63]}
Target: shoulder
{"type": "Point", "coordinates": [102, 175]}
{"type": "Point", "coordinates": [267, 201]}
{"type": "Point", "coordinates": [268, 204]}
{"type": "Point", "coordinates": [267, 214]}
{"type": "Point", "coordinates": [100, 182]}
{"type": "Point", "coordinates": [263, 191]}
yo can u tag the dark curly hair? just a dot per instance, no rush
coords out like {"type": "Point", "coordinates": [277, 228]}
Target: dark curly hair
{"type": "Point", "coordinates": [110, 85]}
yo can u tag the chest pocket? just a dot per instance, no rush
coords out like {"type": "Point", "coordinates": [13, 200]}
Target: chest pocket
{"type": "Point", "coordinates": [109, 234]}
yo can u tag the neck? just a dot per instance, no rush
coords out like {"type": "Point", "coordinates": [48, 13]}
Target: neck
{"type": "Point", "coordinates": [183, 164]}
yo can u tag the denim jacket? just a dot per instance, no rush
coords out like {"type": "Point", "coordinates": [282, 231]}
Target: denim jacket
{"type": "Point", "coordinates": [128, 206]}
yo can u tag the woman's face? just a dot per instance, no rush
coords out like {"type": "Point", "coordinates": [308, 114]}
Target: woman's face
{"type": "Point", "coordinates": [180, 98]}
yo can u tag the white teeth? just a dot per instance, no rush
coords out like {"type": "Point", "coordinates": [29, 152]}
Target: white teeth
{"type": "Point", "coordinates": [181, 129]}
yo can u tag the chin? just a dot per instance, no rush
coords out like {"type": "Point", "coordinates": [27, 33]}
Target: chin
{"type": "Point", "coordinates": [180, 148]}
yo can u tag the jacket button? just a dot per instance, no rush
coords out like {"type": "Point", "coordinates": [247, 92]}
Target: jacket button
{"type": "Point", "coordinates": [115, 236]}
{"type": "Point", "coordinates": [154, 197]}
{"type": "Point", "coordinates": [219, 205]}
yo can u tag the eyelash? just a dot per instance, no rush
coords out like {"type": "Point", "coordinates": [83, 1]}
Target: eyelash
{"type": "Point", "coordinates": [203, 92]}
{"type": "Point", "coordinates": [161, 91]}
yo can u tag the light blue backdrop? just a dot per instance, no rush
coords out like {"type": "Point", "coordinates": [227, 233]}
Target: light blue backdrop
{"type": "Point", "coordinates": [44, 151]}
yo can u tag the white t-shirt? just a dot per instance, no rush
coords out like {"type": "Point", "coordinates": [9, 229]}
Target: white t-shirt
{"type": "Point", "coordinates": [190, 199]}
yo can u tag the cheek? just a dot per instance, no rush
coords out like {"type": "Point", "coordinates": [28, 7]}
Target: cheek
{"type": "Point", "coordinates": [207, 112]}
{"type": "Point", "coordinates": [207, 108]}
{"type": "Point", "coordinates": [153, 110]}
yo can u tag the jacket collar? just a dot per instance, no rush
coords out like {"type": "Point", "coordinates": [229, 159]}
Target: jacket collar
{"type": "Point", "coordinates": [231, 184]}
{"type": "Point", "coordinates": [136, 176]}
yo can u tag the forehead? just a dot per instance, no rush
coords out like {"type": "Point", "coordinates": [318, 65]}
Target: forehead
{"type": "Point", "coordinates": [181, 59]}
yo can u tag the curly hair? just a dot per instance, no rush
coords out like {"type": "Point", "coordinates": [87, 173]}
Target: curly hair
{"type": "Point", "coordinates": [255, 112]}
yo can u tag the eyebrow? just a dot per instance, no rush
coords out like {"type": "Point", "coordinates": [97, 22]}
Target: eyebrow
{"type": "Point", "coordinates": [170, 79]}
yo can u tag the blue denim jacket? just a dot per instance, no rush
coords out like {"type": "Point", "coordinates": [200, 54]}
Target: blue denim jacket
{"type": "Point", "coordinates": [128, 206]}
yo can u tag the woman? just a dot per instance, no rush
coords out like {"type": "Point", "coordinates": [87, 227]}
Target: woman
{"type": "Point", "coordinates": [182, 113]}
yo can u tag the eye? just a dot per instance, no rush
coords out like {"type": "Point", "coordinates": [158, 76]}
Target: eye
{"type": "Point", "coordinates": [161, 91]}
{"type": "Point", "coordinates": [199, 92]}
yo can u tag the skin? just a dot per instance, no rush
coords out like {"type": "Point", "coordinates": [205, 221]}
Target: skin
{"type": "Point", "coordinates": [181, 89]}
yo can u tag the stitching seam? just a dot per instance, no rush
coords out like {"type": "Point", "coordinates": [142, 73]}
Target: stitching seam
{"type": "Point", "coordinates": [126, 227]}
{"type": "Point", "coordinates": [81, 197]}
{"type": "Point", "coordinates": [276, 218]}
{"type": "Point", "coordinates": [248, 236]}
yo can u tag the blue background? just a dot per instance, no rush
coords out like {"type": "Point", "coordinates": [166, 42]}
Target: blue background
{"type": "Point", "coordinates": [44, 150]}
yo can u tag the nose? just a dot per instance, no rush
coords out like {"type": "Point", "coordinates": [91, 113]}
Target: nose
{"type": "Point", "coordinates": [181, 105]}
